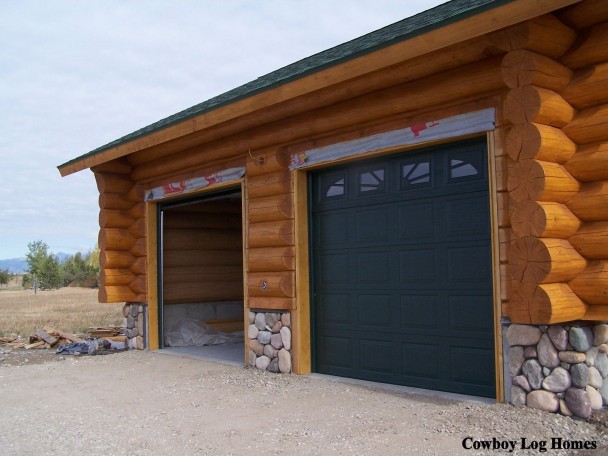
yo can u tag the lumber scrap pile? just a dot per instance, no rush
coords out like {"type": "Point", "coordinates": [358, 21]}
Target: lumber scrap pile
{"type": "Point", "coordinates": [115, 333]}
{"type": "Point", "coordinates": [47, 338]}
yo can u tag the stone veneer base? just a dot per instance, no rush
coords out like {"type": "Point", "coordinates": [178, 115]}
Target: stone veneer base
{"type": "Point", "coordinates": [135, 322]}
{"type": "Point", "coordinates": [269, 340]}
{"type": "Point", "coordinates": [559, 368]}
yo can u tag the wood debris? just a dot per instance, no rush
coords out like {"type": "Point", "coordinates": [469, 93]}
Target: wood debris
{"type": "Point", "coordinates": [7, 340]}
{"type": "Point", "coordinates": [105, 332]}
{"type": "Point", "coordinates": [49, 337]}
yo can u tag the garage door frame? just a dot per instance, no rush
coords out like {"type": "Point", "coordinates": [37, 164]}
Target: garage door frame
{"type": "Point", "coordinates": [304, 324]}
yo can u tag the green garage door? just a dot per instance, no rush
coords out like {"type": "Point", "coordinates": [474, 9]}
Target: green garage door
{"type": "Point", "coordinates": [402, 274]}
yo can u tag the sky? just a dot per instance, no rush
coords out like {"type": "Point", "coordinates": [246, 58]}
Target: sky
{"type": "Point", "coordinates": [75, 75]}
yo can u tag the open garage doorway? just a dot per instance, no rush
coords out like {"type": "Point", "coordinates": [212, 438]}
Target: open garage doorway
{"type": "Point", "coordinates": [200, 277]}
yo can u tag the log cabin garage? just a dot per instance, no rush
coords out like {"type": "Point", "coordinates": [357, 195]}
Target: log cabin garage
{"type": "Point", "coordinates": [425, 205]}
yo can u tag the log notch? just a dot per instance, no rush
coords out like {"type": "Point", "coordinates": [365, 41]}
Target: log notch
{"type": "Point", "coordinates": [541, 259]}
{"type": "Point", "coordinates": [270, 239]}
{"type": "Point", "coordinates": [121, 234]}
{"type": "Point", "coordinates": [588, 92]}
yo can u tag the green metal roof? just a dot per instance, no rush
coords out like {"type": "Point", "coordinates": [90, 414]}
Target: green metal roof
{"type": "Point", "coordinates": [442, 15]}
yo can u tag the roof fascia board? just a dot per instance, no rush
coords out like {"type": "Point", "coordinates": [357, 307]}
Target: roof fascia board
{"type": "Point", "coordinates": [455, 32]}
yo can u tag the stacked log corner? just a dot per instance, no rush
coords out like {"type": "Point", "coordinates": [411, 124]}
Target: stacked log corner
{"type": "Point", "coordinates": [121, 235]}
{"type": "Point", "coordinates": [271, 238]}
{"type": "Point", "coordinates": [558, 175]}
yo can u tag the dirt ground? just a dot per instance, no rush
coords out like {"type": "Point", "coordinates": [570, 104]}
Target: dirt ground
{"type": "Point", "coordinates": [146, 403]}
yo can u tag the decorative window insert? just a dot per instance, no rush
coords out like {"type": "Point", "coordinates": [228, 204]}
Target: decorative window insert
{"type": "Point", "coordinates": [416, 173]}
{"type": "Point", "coordinates": [372, 181]}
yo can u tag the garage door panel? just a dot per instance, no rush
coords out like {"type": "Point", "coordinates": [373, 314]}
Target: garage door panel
{"type": "Point", "coordinates": [420, 311]}
{"type": "Point", "coordinates": [402, 271]}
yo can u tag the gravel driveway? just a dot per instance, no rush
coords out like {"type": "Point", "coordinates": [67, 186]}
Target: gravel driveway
{"type": "Point", "coordinates": [146, 403]}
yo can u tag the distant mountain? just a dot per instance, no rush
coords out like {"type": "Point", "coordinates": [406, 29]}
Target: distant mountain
{"type": "Point", "coordinates": [14, 265]}
{"type": "Point", "coordinates": [18, 265]}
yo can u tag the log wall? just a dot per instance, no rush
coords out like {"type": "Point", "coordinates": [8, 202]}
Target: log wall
{"type": "Point", "coordinates": [203, 253]}
{"type": "Point", "coordinates": [558, 174]}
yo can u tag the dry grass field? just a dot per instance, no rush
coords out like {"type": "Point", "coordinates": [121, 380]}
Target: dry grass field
{"type": "Point", "coordinates": [67, 309]}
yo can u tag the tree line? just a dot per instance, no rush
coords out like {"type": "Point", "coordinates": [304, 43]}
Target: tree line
{"type": "Point", "coordinates": [46, 271]}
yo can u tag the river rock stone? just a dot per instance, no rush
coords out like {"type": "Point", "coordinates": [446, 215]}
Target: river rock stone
{"type": "Point", "coordinates": [558, 381]}
{"type": "Point", "coordinates": [276, 341]}
{"type": "Point", "coordinates": [580, 375]}
{"type": "Point", "coordinates": [277, 327]}
{"type": "Point", "coordinates": [284, 361]}
{"type": "Point", "coordinates": [590, 356]}
{"type": "Point", "coordinates": [286, 337]}
{"type": "Point", "coordinates": [126, 310]}
{"type": "Point", "coordinates": [518, 396]}
{"type": "Point", "coordinates": [572, 357]}
{"type": "Point", "coordinates": [251, 317]}
{"type": "Point", "coordinates": [264, 337]}
{"type": "Point", "coordinates": [595, 398]}
{"type": "Point", "coordinates": [559, 336]}
{"type": "Point", "coordinates": [271, 319]}
{"type": "Point", "coordinates": [581, 339]}
{"type": "Point", "coordinates": [533, 372]}
{"type": "Point", "coordinates": [565, 365]}
{"type": "Point", "coordinates": [523, 335]}
{"type": "Point", "coordinates": [577, 401]}
{"type": "Point", "coordinates": [139, 341]}
{"type": "Point", "coordinates": [134, 311]}
{"type": "Point", "coordinates": [252, 332]}
{"type": "Point", "coordinates": [130, 321]}
{"type": "Point", "coordinates": [286, 319]}
{"type": "Point", "coordinates": [516, 359]}
{"type": "Point", "coordinates": [251, 357]}
{"type": "Point", "coordinates": [273, 366]}
{"type": "Point", "coordinates": [563, 408]}
{"type": "Point", "coordinates": [262, 362]}
{"type": "Point", "coordinates": [600, 334]}
{"type": "Point", "coordinates": [595, 378]}
{"type": "Point", "coordinates": [601, 364]}
{"type": "Point", "coordinates": [604, 391]}
{"type": "Point", "coordinates": [256, 347]}
{"type": "Point", "coordinates": [530, 352]}
{"type": "Point", "coordinates": [260, 321]}
{"type": "Point", "coordinates": [141, 325]}
{"type": "Point", "coordinates": [270, 351]}
{"type": "Point", "coordinates": [547, 354]}
{"type": "Point", "coordinates": [603, 348]}
{"type": "Point", "coordinates": [522, 382]}
{"type": "Point", "coordinates": [543, 400]}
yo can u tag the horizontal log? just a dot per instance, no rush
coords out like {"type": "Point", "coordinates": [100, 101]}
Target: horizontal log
{"type": "Point", "coordinates": [119, 294]}
{"type": "Point", "coordinates": [545, 35]}
{"type": "Point", "coordinates": [117, 239]}
{"type": "Point", "coordinates": [271, 303]}
{"type": "Point", "coordinates": [269, 185]}
{"type": "Point", "coordinates": [533, 261]}
{"type": "Point", "coordinates": [544, 219]}
{"type": "Point", "coordinates": [545, 304]}
{"type": "Point", "coordinates": [210, 291]}
{"type": "Point", "coordinates": [504, 242]}
{"type": "Point", "coordinates": [112, 218]}
{"type": "Point", "coordinates": [113, 183]}
{"type": "Point", "coordinates": [272, 161]}
{"type": "Point", "coordinates": [203, 240]}
{"type": "Point", "coordinates": [270, 259]}
{"type": "Point", "coordinates": [502, 208]}
{"type": "Point", "coordinates": [271, 234]}
{"type": "Point", "coordinates": [590, 49]}
{"type": "Point", "coordinates": [591, 241]}
{"type": "Point", "coordinates": [111, 277]}
{"type": "Point", "coordinates": [590, 163]}
{"type": "Point", "coordinates": [139, 247]}
{"type": "Point", "coordinates": [589, 126]}
{"type": "Point", "coordinates": [114, 201]}
{"type": "Point", "coordinates": [591, 285]}
{"type": "Point", "coordinates": [535, 104]}
{"type": "Point", "coordinates": [584, 14]}
{"type": "Point", "coordinates": [208, 257]}
{"type": "Point", "coordinates": [136, 194]}
{"type": "Point", "coordinates": [589, 87]}
{"type": "Point", "coordinates": [271, 284]}
{"type": "Point", "coordinates": [139, 266]}
{"type": "Point", "coordinates": [521, 68]}
{"type": "Point", "coordinates": [138, 228]}
{"type": "Point", "coordinates": [541, 142]}
{"type": "Point", "coordinates": [138, 284]}
{"type": "Point", "coordinates": [596, 313]}
{"type": "Point", "coordinates": [591, 202]}
{"type": "Point", "coordinates": [277, 207]}
{"type": "Point", "coordinates": [176, 220]}
{"type": "Point", "coordinates": [470, 80]}
{"type": "Point", "coordinates": [110, 259]}
{"type": "Point", "coordinates": [541, 181]}
{"type": "Point", "coordinates": [211, 275]}
{"type": "Point", "coordinates": [138, 210]}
